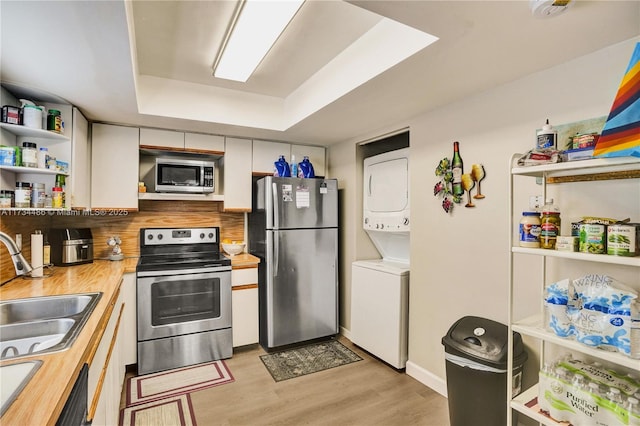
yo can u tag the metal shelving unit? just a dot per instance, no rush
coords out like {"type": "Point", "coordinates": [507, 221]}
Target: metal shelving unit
{"type": "Point", "coordinates": [526, 402]}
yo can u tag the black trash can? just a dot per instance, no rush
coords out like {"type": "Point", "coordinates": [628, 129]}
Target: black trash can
{"type": "Point", "coordinates": [476, 366]}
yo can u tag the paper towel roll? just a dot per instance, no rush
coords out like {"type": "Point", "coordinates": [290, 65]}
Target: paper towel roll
{"type": "Point", "coordinates": [36, 254]}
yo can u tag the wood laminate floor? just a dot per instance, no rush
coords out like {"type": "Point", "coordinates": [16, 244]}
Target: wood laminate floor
{"type": "Point", "coordinates": [364, 393]}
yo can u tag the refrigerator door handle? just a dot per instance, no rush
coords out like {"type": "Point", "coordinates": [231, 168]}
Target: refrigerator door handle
{"type": "Point", "coordinates": [276, 213]}
{"type": "Point", "coordinates": [276, 252]}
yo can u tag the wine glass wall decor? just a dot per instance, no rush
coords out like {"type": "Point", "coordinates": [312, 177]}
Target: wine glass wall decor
{"type": "Point", "coordinates": [454, 182]}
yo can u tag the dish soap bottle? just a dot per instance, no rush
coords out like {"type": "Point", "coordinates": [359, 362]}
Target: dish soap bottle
{"type": "Point", "coordinates": [306, 168]}
{"type": "Point", "coordinates": [282, 168]}
{"type": "Point", "coordinates": [549, 225]}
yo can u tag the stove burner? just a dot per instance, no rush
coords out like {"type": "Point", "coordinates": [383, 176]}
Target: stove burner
{"type": "Point", "coordinates": [163, 249]}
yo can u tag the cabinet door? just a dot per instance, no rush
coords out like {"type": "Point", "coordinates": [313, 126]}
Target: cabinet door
{"type": "Point", "coordinates": [129, 342]}
{"type": "Point", "coordinates": [100, 384]}
{"type": "Point", "coordinates": [245, 316]}
{"type": "Point", "coordinates": [80, 162]}
{"type": "Point", "coordinates": [266, 153]}
{"type": "Point", "coordinates": [201, 142]}
{"type": "Point", "coordinates": [237, 175]}
{"type": "Point", "coordinates": [114, 167]}
{"type": "Point", "coordinates": [245, 306]}
{"type": "Point", "coordinates": [158, 138]}
{"type": "Point", "coordinates": [316, 156]}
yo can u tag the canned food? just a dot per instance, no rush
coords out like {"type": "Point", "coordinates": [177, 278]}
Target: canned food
{"type": "Point", "coordinates": [623, 240]}
{"type": "Point", "coordinates": [593, 238]}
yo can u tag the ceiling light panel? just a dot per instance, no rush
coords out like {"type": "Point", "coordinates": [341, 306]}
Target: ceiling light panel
{"type": "Point", "coordinates": [257, 28]}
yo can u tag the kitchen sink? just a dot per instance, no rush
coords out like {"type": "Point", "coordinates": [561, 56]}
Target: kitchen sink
{"type": "Point", "coordinates": [43, 324]}
{"type": "Point", "coordinates": [36, 308]}
{"type": "Point", "coordinates": [14, 378]}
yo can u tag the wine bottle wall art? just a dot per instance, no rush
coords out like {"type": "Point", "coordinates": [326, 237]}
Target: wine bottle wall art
{"type": "Point", "coordinates": [455, 186]}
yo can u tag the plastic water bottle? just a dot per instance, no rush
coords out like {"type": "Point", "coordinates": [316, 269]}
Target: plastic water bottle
{"type": "Point", "coordinates": [633, 408]}
{"type": "Point", "coordinates": [294, 166]}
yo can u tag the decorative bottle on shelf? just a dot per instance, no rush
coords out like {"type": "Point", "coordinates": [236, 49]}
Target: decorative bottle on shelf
{"type": "Point", "coordinates": [457, 170]}
{"type": "Point", "coordinates": [550, 225]}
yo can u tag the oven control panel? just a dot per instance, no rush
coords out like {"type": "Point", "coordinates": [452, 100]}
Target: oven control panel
{"type": "Point", "coordinates": [166, 236]}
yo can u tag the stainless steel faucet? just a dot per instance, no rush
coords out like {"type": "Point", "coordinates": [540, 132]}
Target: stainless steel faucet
{"type": "Point", "coordinates": [19, 262]}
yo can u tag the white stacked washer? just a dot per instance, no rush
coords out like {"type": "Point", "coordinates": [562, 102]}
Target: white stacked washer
{"type": "Point", "coordinates": [380, 287]}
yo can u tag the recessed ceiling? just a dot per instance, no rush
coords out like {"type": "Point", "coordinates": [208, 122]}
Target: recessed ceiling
{"type": "Point", "coordinates": [328, 49]}
{"type": "Point", "coordinates": [85, 52]}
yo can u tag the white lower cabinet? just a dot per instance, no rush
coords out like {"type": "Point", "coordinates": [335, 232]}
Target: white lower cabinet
{"type": "Point", "coordinates": [245, 306]}
{"type": "Point", "coordinates": [129, 338]}
{"type": "Point", "coordinates": [106, 371]}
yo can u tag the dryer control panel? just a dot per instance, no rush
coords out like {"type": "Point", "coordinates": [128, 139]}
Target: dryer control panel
{"type": "Point", "coordinates": [388, 223]}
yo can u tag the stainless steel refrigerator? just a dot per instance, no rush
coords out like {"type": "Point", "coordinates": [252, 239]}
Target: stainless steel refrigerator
{"type": "Point", "coordinates": [293, 229]}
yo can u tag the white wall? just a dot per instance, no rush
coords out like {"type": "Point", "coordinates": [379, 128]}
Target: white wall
{"type": "Point", "coordinates": [459, 261]}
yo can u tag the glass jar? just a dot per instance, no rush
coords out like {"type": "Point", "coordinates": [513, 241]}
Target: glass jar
{"type": "Point", "coordinates": [56, 197]}
{"type": "Point", "coordinates": [37, 195]}
{"type": "Point", "coordinates": [6, 199]}
{"type": "Point", "coordinates": [29, 154]}
{"type": "Point", "coordinates": [23, 195]}
{"type": "Point", "coordinates": [549, 225]}
{"type": "Point", "coordinates": [54, 121]}
{"type": "Point", "coordinates": [530, 230]}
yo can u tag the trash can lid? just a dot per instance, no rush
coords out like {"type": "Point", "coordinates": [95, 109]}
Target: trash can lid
{"type": "Point", "coordinates": [484, 341]}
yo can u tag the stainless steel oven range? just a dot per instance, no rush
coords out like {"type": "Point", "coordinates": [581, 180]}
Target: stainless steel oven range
{"type": "Point", "coordinates": [183, 296]}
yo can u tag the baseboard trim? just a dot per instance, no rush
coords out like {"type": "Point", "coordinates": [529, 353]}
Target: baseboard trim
{"type": "Point", "coordinates": [414, 370]}
{"type": "Point", "coordinates": [346, 333]}
{"type": "Point", "coordinates": [427, 378]}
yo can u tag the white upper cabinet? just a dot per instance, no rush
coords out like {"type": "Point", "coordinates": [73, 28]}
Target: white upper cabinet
{"type": "Point", "coordinates": [202, 142]}
{"type": "Point", "coordinates": [265, 153]}
{"type": "Point", "coordinates": [158, 138]}
{"type": "Point", "coordinates": [316, 156]}
{"type": "Point", "coordinates": [237, 175]}
{"type": "Point", "coordinates": [114, 166]}
{"type": "Point", "coordinates": [80, 162]}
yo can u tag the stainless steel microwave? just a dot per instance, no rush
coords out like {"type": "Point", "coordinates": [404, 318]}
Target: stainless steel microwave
{"type": "Point", "coordinates": [184, 175]}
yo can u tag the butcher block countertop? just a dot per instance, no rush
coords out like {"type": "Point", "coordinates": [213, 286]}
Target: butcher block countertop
{"type": "Point", "coordinates": [243, 260]}
{"type": "Point", "coordinates": [42, 400]}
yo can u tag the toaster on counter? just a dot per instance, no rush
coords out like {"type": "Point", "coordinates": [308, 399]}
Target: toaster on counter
{"type": "Point", "coordinates": [71, 246]}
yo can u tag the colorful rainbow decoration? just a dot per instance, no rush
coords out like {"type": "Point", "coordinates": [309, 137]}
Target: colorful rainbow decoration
{"type": "Point", "coordinates": [621, 133]}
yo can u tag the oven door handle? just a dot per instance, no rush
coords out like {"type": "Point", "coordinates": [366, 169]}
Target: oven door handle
{"type": "Point", "coordinates": [164, 273]}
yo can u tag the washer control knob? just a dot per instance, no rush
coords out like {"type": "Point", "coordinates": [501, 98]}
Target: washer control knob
{"type": "Point", "coordinates": [202, 236]}
{"type": "Point", "coordinates": [405, 221]}
{"type": "Point", "coordinates": [150, 237]}
{"type": "Point", "coordinates": [160, 236]}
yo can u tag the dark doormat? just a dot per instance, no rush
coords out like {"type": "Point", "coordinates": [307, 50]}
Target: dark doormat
{"type": "Point", "coordinates": [308, 359]}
